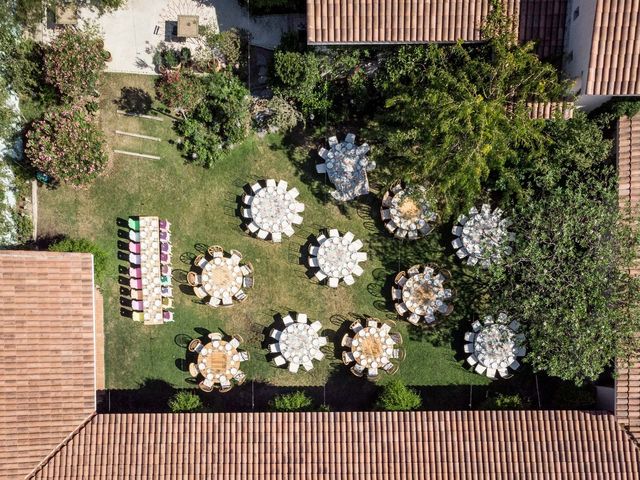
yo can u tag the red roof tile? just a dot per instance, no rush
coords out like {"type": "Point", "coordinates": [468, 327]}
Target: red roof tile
{"type": "Point", "coordinates": [423, 21]}
{"type": "Point", "coordinates": [614, 67]}
{"type": "Point", "coordinates": [47, 383]}
{"type": "Point", "coordinates": [472, 445]}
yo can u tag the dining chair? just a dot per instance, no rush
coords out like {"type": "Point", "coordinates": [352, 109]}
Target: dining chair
{"type": "Point", "coordinates": [164, 225]}
{"type": "Point", "coordinates": [213, 302]}
{"type": "Point", "coordinates": [246, 213]}
{"type": "Point", "coordinates": [167, 317]}
{"type": "Point", "coordinates": [356, 245]}
{"type": "Point", "coordinates": [137, 305]}
{"type": "Point", "coordinates": [205, 388]}
{"type": "Point", "coordinates": [481, 369]}
{"type": "Point", "coordinates": [320, 275]}
{"type": "Point", "coordinates": [276, 237]}
{"type": "Point", "coordinates": [247, 269]}
{"type": "Point", "coordinates": [247, 199]}
{"type": "Point", "coordinates": [200, 292]}
{"type": "Point", "coordinates": [194, 279]}
{"type": "Point", "coordinates": [244, 356]}
{"type": "Point", "coordinates": [256, 187]}
{"type": "Point", "coordinates": [333, 282]}
{"type": "Point", "coordinates": [135, 283]}
{"type": "Point", "coordinates": [356, 371]}
{"type": "Point", "coordinates": [238, 338]}
{"type": "Point", "coordinates": [279, 361]}
{"type": "Point", "coordinates": [468, 348]}
{"type": "Point", "coordinates": [307, 366]}
{"type": "Point", "coordinates": [136, 294]}
{"type": "Point", "coordinates": [316, 326]}
{"type": "Point", "coordinates": [372, 323]}
{"type": "Point", "coordinates": [301, 318]}
{"type": "Point", "coordinates": [293, 193]}
{"type": "Point", "coordinates": [396, 294]}
{"type": "Point", "coordinates": [274, 348]}
{"type": "Point", "coordinates": [215, 336]}
{"type": "Point", "coordinates": [247, 282]}
{"type": "Point", "coordinates": [349, 280]}
{"type": "Point", "coordinates": [321, 168]}
{"type": "Point", "coordinates": [134, 247]}
{"type": "Point", "coordinates": [137, 316]}
{"type": "Point", "coordinates": [135, 272]}
{"type": "Point", "coordinates": [262, 234]}
{"type": "Point", "coordinates": [234, 342]}
{"type": "Point", "coordinates": [401, 308]}
{"type": "Point", "coordinates": [361, 257]}
{"type": "Point", "coordinates": [293, 367]}
{"type": "Point", "coordinates": [313, 262]}
{"type": "Point", "coordinates": [193, 370]}
{"type": "Point", "coordinates": [167, 302]}
{"type": "Point", "coordinates": [472, 360]}
{"type": "Point", "coordinates": [356, 326]}
{"type": "Point", "coordinates": [235, 253]}
{"type": "Point", "coordinates": [385, 213]}
{"type": "Point", "coordinates": [347, 358]}
{"type": "Point", "coordinates": [275, 334]}
{"type": "Point", "coordinates": [469, 336]}
{"type": "Point", "coordinates": [298, 207]}
{"type": "Point", "coordinates": [334, 233]}
{"type": "Point", "coordinates": [194, 345]}
{"type": "Point", "coordinates": [134, 223]}
{"type": "Point", "coordinates": [253, 228]}
{"type": "Point", "coordinates": [282, 186]}
{"type": "Point", "coordinates": [287, 320]}
{"type": "Point", "coordinates": [358, 270]}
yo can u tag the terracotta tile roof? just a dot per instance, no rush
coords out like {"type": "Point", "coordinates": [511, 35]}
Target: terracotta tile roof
{"type": "Point", "coordinates": [628, 370]}
{"type": "Point", "coordinates": [422, 21]}
{"type": "Point", "coordinates": [548, 110]}
{"type": "Point", "coordinates": [513, 445]}
{"type": "Point", "coordinates": [614, 67]}
{"type": "Point", "coordinates": [47, 383]}
{"type": "Point", "coordinates": [543, 21]}
{"type": "Point", "coordinates": [397, 21]}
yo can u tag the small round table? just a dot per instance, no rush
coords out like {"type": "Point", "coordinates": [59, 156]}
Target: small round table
{"type": "Point", "coordinates": [222, 277]}
{"type": "Point", "coordinates": [220, 361]}
{"type": "Point", "coordinates": [336, 257]}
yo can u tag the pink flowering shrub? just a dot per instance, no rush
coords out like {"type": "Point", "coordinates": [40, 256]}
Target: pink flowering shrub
{"type": "Point", "coordinates": [73, 62]}
{"type": "Point", "coordinates": [67, 145]}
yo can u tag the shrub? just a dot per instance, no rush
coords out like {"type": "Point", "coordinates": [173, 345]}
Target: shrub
{"type": "Point", "coordinates": [230, 44]}
{"type": "Point", "coordinates": [504, 402]}
{"type": "Point", "coordinates": [180, 90]}
{"type": "Point", "coordinates": [185, 401]}
{"type": "Point", "coordinates": [275, 114]}
{"type": "Point", "coordinates": [84, 246]}
{"type": "Point", "coordinates": [292, 402]}
{"type": "Point", "coordinates": [67, 145]}
{"type": "Point", "coordinates": [73, 62]}
{"type": "Point", "coordinates": [298, 77]}
{"type": "Point", "coordinates": [397, 396]}
{"type": "Point", "coordinates": [225, 108]}
{"type": "Point", "coordinates": [199, 145]}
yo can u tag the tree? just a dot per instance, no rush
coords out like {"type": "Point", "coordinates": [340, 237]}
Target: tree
{"type": "Point", "coordinates": [185, 401]}
{"type": "Point", "coordinates": [397, 396]}
{"type": "Point", "coordinates": [292, 402]}
{"type": "Point", "coordinates": [199, 145]}
{"type": "Point", "coordinates": [297, 77]}
{"type": "Point", "coordinates": [67, 145]}
{"type": "Point", "coordinates": [456, 118]}
{"type": "Point", "coordinates": [569, 277]}
{"type": "Point", "coordinates": [74, 61]}
{"type": "Point", "coordinates": [81, 245]}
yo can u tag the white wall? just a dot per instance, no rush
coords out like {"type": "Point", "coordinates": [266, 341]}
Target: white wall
{"type": "Point", "coordinates": [589, 102]}
{"type": "Point", "coordinates": [578, 37]}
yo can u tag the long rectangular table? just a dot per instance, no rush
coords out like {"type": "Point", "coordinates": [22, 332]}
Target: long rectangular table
{"type": "Point", "coordinates": [151, 270]}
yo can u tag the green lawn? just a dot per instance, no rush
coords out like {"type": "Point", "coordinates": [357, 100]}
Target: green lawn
{"type": "Point", "coordinates": [201, 206]}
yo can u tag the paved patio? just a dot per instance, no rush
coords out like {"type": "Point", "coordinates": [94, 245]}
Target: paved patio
{"type": "Point", "coordinates": [133, 32]}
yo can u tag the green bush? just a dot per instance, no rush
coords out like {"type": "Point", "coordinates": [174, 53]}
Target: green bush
{"type": "Point", "coordinates": [73, 62]}
{"type": "Point", "coordinates": [291, 402]}
{"type": "Point", "coordinates": [185, 401]}
{"type": "Point", "coordinates": [199, 145]}
{"type": "Point", "coordinates": [298, 77]}
{"type": "Point", "coordinates": [85, 246]}
{"type": "Point", "coordinates": [397, 396]}
{"type": "Point", "coordinates": [67, 145]}
{"type": "Point", "coordinates": [504, 402]}
{"type": "Point", "coordinates": [231, 44]}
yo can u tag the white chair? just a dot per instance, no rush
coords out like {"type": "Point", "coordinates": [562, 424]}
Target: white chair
{"type": "Point", "coordinates": [357, 270]}
{"type": "Point", "coordinates": [134, 236]}
{"type": "Point", "coordinates": [361, 257]}
{"type": "Point", "coordinates": [247, 199]}
{"type": "Point", "coordinates": [350, 138]}
{"type": "Point", "coordinates": [514, 325]}
{"type": "Point", "coordinates": [322, 341]}
{"type": "Point", "coordinates": [270, 182]}
{"type": "Point", "coordinates": [203, 263]}
{"type": "Point", "coordinates": [333, 282]}
{"type": "Point", "coordinates": [234, 342]}
{"type": "Point", "coordinates": [480, 369]}
{"type": "Point", "coordinates": [401, 308]}
{"type": "Point", "coordinates": [320, 276]}
{"type": "Point", "coordinates": [371, 323]}
{"type": "Point", "coordinates": [215, 336]}
{"type": "Point", "coordinates": [307, 366]}
{"type": "Point", "coordinates": [349, 236]}
{"type": "Point", "coordinates": [246, 213]}
{"type": "Point", "coordinates": [253, 228]}
{"type": "Point", "coordinates": [491, 372]}
{"type": "Point", "coordinates": [472, 360]}
{"type": "Point", "coordinates": [288, 230]}
{"type": "Point", "coordinates": [274, 348]}
{"type": "Point", "coordinates": [276, 237]}
{"type": "Point", "coordinates": [293, 367]}
{"type": "Point", "coordinates": [457, 243]}
{"type": "Point", "coordinates": [346, 341]}
{"type": "Point", "coordinates": [333, 141]}
{"type": "Point", "coordinates": [279, 361]}
{"type": "Point", "coordinates": [316, 326]}
{"type": "Point", "coordinates": [275, 334]}
{"type": "Point", "coordinates": [298, 207]}
{"type": "Point", "coordinates": [461, 252]}
{"type": "Point", "coordinates": [396, 294]}
{"type": "Point", "coordinates": [214, 302]}
{"type": "Point", "coordinates": [521, 351]}
{"type": "Point", "coordinates": [476, 326]}
{"type": "Point", "coordinates": [301, 318]}
{"type": "Point", "coordinates": [462, 220]}
{"type": "Point", "coordinates": [318, 355]}
{"type": "Point", "coordinates": [349, 280]}
{"type": "Point", "coordinates": [262, 234]}
{"type": "Point", "coordinates": [347, 358]}
{"type": "Point", "coordinates": [297, 219]}
{"type": "Point", "coordinates": [456, 230]}
{"type": "Point", "coordinates": [334, 232]}
{"type": "Point", "coordinates": [468, 348]}
{"type": "Point", "coordinates": [287, 320]}
{"type": "Point", "coordinates": [313, 250]}
{"type": "Point", "coordinates": [357, 245]}
{"type": "Point", "coordinates": [321, 168]}
{"type": "Point", "coordinates": [514, 365]}
{"type": "Point", "coordinates": [313, 262]}
{"type": "Point", "coordinates": [135, 259]}
{"type": "Point", "coordinates": [244, 356]}
{"type": "Point", "coordinates": [386, 214]}
{"type": "Point", "coordinates": [385, 328]}
{"type": "Point", "coordinates": [293, 193]}
{"type": "Point", "coordinates": [469, 336]}
{"type": "Point", "coordinates": [282, 186]}
{"type": "Point", "coordinates": [200, 292]}
{"type": "Point", "coordinates": [256, 187]}
{"type": "Point", "coordinates": [414, 318]}
{"type": "Point", "coordinates": [227, 301]}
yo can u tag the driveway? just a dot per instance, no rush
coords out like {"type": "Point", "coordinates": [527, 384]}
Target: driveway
{"type": "Point", "coordinates": [133, 32]}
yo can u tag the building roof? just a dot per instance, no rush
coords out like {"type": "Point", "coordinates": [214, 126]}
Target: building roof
{"type": "Point", "coordinates": [628, 370]}
{"type": "Point", "coordinates": [614, 68]}
{"type": "Point", "coordinates": [360, 445]}
{"type": "Point", "coordinates": [47, 385]}
{"type": "Point", "coordinates": [187, 26]}
{"type": "Point", "coordinates": [424, 21]}
{"type": "Point", "coordinates": [548, 110]}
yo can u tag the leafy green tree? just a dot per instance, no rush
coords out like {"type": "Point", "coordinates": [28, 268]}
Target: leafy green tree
{"type": "Point", "coordinates": [456, 117]}
{"type": "Point", "coordinates": [184, 402]}
{"type": "Point", "coordinates": [199, 145]}
{"type": "Point", "coordinates": [397, 396]}
{"type": "Point", "coordinates": [81, 245]}
{"type": "Point", "coordinates": [569, 277]}
{"type": "Point", "coordinates": [292, 402]}
{"type": "Point", "coordinates": [74, 62]}
{"type": "Point", "coordinates": [298, 77]}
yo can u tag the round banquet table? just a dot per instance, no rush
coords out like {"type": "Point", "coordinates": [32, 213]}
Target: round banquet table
{"type": "Point", "coordinates": [335, 257]}
{"type": "Point", "coordinates": [372, 347]}
{"type": "Point", "coordinates": [423, 293]}
{"type": "Point", "coordinates": [482, 234]}
{"type": "Point", "coordinates": [222, 277]}
{"type": "Point", "coordinates": [272, 209]}
{"type": "Point", "coordinates": [299, 343]}
{"type": "Point", "coordinates": [495, 345]}
{"type": "Point", "coordinates": [408, 213]}
{"type": "Point", "coordinates": [220, 360]}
